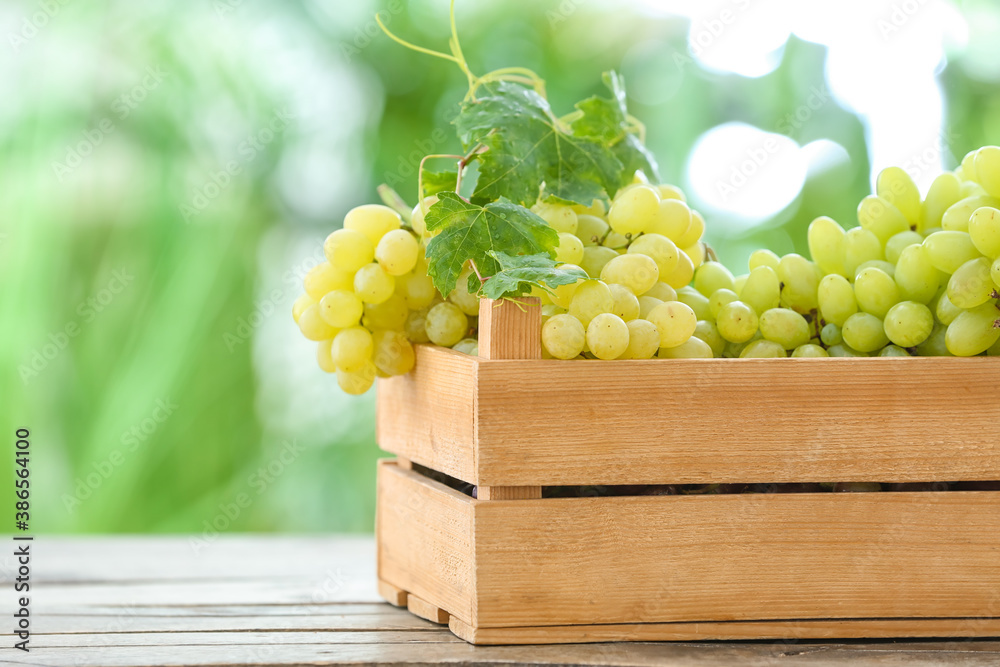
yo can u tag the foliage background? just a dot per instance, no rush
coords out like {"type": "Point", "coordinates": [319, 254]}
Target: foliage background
{"type": "Point", "coordinates": [181, 398]}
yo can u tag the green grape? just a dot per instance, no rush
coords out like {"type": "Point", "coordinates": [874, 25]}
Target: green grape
{"type": "Point", "coordinates": [708, 332]}
{"type": "Point", "coordinates": [945, 310]}
{"type": "Point", "coordinates": [570, 249]}
{"type": "Point", "coordinates": [739, 281]}
{"type": "Point", "coordinates": [893, 351]}
{"type": "Point", "coordinates": [467, 302]}
{"type": "Point", "coordinates": [860, 246]}
{"type": "Point", "coordinates": [915, 276]}
{"type": "Point", "coordinates": [994, 350]}
{"type": "Point", "coordinates": [830, 335]}
{"type": "Point", "coordinates": [974, 331]}
{"type": "Point", "coordinates": [595, 258]}
{"type": "Point", "coordinates": [607, 336]}
{"type": "Point", "coordinates": [648, 303]}
{"type": "Point", "coordinates": [971, 285]}
{"type": "Point", "coordinates": [590, 300]}
{"type": "Point", "coordinates": [694, 231]}
{"type": "Point", "coordinates": [944, 191]}
{"type": "Point", "coordinates": [956, 218]}
{"type": "Point", "coordinates": [949, 250]}
{"type": "Point", "coordinates": [415, 327]}
{"type": "Point", "coordinates": [348, 250]}
{"type": "Point", "coordinates": [876, 292]}
{"type": "Point", "coordinates": [894, 246]}
{"type": "Point", "coordinates": [324, 278]}
{"type": "Point", "coordinates": [633, 209]}
{"type": "Point", "coordinates": [967, 169]}
{"type": "Point", "coordinates": [469, 346]}
{"type": "Point", "coordinates": [417, 289]}
{"type": "Point", "coordinates": [668, 191]}
{"type": "Point", "coordinates": [313, 326]}
{"type": "Point", "coordinates": [785, 327]}
{"type": "Point", "coordinates": [636, 272]}
{"type": "Point", "coordinates": [810, 350]}
{"type": "Point", "coordinates": [763, 258]}
{"type": "Point", "coordinates": [301, 303]}
{"type": "Point", "coordinates": [692, 348]}
{"type": "Point", "coordinates": [549, 310]}
{"type": "Point", "coordinates": [712, 276]}
{"type": "Point", "coordinates": [675, 321]}
{"type": "Point", "coordinates": [393, 353]}
{"type": "Point", "coordinates": [737, 322]}
{"type": "Point", "coordinates": [762, 290]}
{"type": "Point", "coordinates": [390, 314]}
{"type": "Point", "coordinates": [397, 252]}
{"type": "Point", "coordinates": [763, 349]}
{"type": "Point", "coordinates": [984, 231]}
{"type": "Point", "coordinates": [643, 340]}
{"type": "Point", "coordinates": [844, 351]}
{"type": "Point", "coordinates": [591, 229]}
{"type": "Point", "coordinates": [563, 219]}
{"type": "Point", "coordinates": [662, 291]}
{"type": "Point", "coordinates": [880, 264]}
{"type": "Point", "coordinates": [720, 297]}
{"type": "Point", "coordinates": [826, 244]}
{"type": "Point", "coordinates": [372, 220]}
{"type": "Point", "coordinates": [908, 324]}
{"type": "Point", "coordinates": [417, 221]}
{"type": "Point", "coordinates": [626, 305]}
{"type": "Point", "coordinates": [995, 273]}
{"type": "Point", "coordinates": [836, 299]}
{"type": "Point", "coordinates": [596, 208]}
{"type": "Point", "coordinates": [672, 219]}
{"type": "Point", "coordinates": [682, 273]}
{"type": "Point", "coordinates": [341, 308]}
{"type": "Point", "coordinates": [895, 186]}
{"type": "Point", "coordinates": [564, 336]}
{"type": "Point", "coordinates": [696, 254]}
{"type": "Point", "coordinates": [696, 300]}
{"type": "Point", "coordinates": [988, 169]}
{"type": "Point", "coordinates": [658, 247]}
{"type": "Point", "coordinates": [881, 218]}
{"type": "Point", "coordinates": [446, 324]}
{"type": "Point", "coordinates": [864, 332]}
{"type": "Point", "coordinates": [352, 348]}
{"type": "Point", "coordinates": [616, 241]}
{"type": "Point", "coordinates": [935, 345]}
{"type": "Point", "coordinates": [357, 382]}
{"type": "Point", "coordinates": [373, 284]}
{"type": "Point", "coordinates": [733, 350]}
{"type": "Point", "coordinates": [800, 279]}
{"type": "Point", "coordinates": [324, 358]}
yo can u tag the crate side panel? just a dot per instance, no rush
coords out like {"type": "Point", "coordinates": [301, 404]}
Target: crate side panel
{"type": "Point", "coordinates": [746, 420]}
{"type": "Point", "coordinates": [424, 536]}
{"type": "Point", "coordinates": [737, 557]}
{"type": "Point", "coordinates": [427, 415]}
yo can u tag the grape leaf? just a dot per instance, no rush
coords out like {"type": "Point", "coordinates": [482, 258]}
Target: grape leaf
{"type": "Point", "coordinates": [519, 273]}
{"type": "Point", "coordinates": [527, 146]}
{"type": "Point", "coordinates": [470, 231]}
{"type": "Point", "coordinates": [438, 181]}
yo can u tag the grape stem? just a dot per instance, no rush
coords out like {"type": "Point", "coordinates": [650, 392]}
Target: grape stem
{"type": "Point", "coordinates": [420, 175]}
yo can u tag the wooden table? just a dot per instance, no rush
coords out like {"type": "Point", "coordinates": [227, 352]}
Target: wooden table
{"type": "Point", "coordinates": [228, 600]}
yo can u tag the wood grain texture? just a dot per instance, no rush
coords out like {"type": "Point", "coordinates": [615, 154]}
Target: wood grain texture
{"type": "Point", "coordinates": [397, 597]}
{"type": "Point", "coordinates": [427, 415]}
{"type": "Point", "coordinates": [508, 492]}
{"type": "Point", "coordinates": [425, 540]}
{"type": "Point", "coordinates": [509, 330]}
{"type": "Point", "coordinates": [426, 610]}
{"type": "Point", "coordinates": [550, 422]}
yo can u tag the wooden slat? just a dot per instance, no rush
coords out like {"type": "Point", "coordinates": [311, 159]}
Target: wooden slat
{"type": "Point", "coordinates": [425, 540]}
{"type": "Point", "coordinates": [427, 415]}
{"type": "Point", "coordinates": [394, 596]}
{"type": "Point", "coordinates": [564, 561]}
{"type": "Point", "coordinates": [426, 610]}
{"type": "Point", "coordinates": [508, 492]}
{"type": "Point", "coordinates": [510, 328]}
{"type": "Point", "coordinates": [736, 420]}
{"type": "Point", "coordinates": [731, 630]}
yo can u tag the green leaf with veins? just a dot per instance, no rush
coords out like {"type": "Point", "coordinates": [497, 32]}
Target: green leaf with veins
{"type": "Point", "coordinates": [470, 231]}
{"type": "Point", "coordinates": [527, 147]}
{"type": "Point", "coordinates": [518, 274]}
{"type": "Point", "coordinates": [438, 181]}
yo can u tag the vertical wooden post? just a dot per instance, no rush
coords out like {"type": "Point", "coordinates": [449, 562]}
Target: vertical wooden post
{"type": "Point", "coordinates": [509, 330]}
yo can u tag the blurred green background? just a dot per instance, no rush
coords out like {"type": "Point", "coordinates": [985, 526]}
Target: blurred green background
{"type": "Point", "coordinates": [169, 172]}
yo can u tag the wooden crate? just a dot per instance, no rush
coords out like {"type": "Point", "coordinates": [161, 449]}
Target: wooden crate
{"type": "Point", "coordinates": [512, 567]}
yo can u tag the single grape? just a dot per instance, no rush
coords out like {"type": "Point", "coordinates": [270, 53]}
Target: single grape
{"type": "Point", "coordinates": [561, 218]}
{"type": "Point", "coordinates": [844, 351]}
{"type": "Point", "coordinates": [831, 335]}
{"type": "Point", "coordinates": [995, 273]}
{"type": "Point", "coordinates": [415, 327]}
{"type": "Point", "coordinates": [313, 326]}
{"type": "Point", "coordinates": [836, 299]}
{"type": "Point", "coordinates": [324, 278]}
{"type": "Point", "coordinates": [682, 273]}
{"type": "Point", "coordinates": [662, 291]}
{"type": "Point", "coordinates": [737, 322]}
{"type": "Point", "coordinates": [907, 324]}
{"type": "Point", "coordinates": [893, 351]}
{"type": "Point", "coordinates": [446, 324]}
{"type": "Point", "coordinates": [595, 258]}
{"type": "Point", "coordinates": [712, 276]}
{"type": "Point", "coordinates": [696, 300]}
{"type": "Point", "coordinates": [860, 246]}
{"type": "Point", "coordinates": [974, 331]}
{"type": "Point", "coordinates": [390, 314]}
{"type": "Point", "coordinates": [357, 382]}
{"type": "Point", "coordinates": [643, 340]}
{"type": "Point", "coordinates": [895, 186]}
{"type": "Point", "coordinates": [763, 258]}
{"type": "Point", "coordinates": [956, 218]}
{"type": "Point", "coordinates": [659, 248]}
{"type": "Point", "coordinates": [564, 336]}
{"type": "Point", "coordinates": [668, 191]}
{"type": "Point", "coordinates": [352, 348]}
{"type": "Point", "coordinates": [696, 254]}
{"type": "Point", "coordinates": [647, 303]}
{"type": "Point", "coordinates": [809, 350]}
{"type": "Point", "coordinates": [591, 229]}
{"type": "Point", "coordinates": [393, 353]}
{"type": "Point", "coordinates": [591, 299]}
{"type": "Point", "coordinates": [762, 290]}
{"type": "Point", "coordinates": [987, 164]}
{"type": "Point", "coordinates": [949, 250]}
{"type": "Point", "coordinates": [944, 191]}
{"type": "Point", "coordinates": [984, 231]}
{"type": "Point", "coordinates": [301, 303]}
{"type": "Point", "coordinates": [708, 332]}
{"type": "Point", "coordinates": [881, 218]}
{"type": "Point", "coordinates": [397, 252]}
{"type": "Point", "coordinates": [694, 231]}
{"type": "Point", "coordinates": [936, 344]}
{"type": "Point", "coordinates": [967, 169]}
{"type": "Point", "coordinates": [692, 348]}
{"type": "Point", "coordinates": [469, 346]}
{"type": "Point", "coordinates": [562, 295]}
{"type": "Point", "coordinates": [876, 292]}
{"type": "Point", "coordinates": [945, 310]}
{"type": "Point", "coordinates": [636, 272]}
{"type": "Point", "coordinates": [864, 332]}
{"type": "Point", "coordinates": [719, 298]}
{"type": "Point", "coordinates": [675, 321]}
{"type": "Point", "coordinates": [894, 246]}
{"type": "Point", "coordinates": [570, 249]}
{"type": "Point", "coordinates": [915, 276]}
{"type": "Point", "coordinates": [419, 213]}
{"type": "Point", "coordinates": [626, 305]}
{"type": "Point", "coordinates": [672, 219]}
{"type": "Point", "coordinates": [607, 336]}
{"type": "Point", "coordinates": [372, 220]}
{"type": "Point", "coordinates": [800, 279]}
{"type": "Point", "coordinates": [596, 209]}
{"type": "Point", "coordinates": [763, 349]}
{"type": "Point", "coordinates": [739, 281]}
{"type": "Point", "coordinates": [633, 209]}
{"type": "Point", "coordinates": [462, 297]}
{"type": "Point", "coordinates": [971, 285]}
{"type": "Point", "coordinates": [341, 308]}
{"type": "Point", "coordinates": [417, 289]}
{"type": "Point", "coordinates": [348, 250]}
{"type": "Point", "coordinates": [324, 358]}
{"type": "Point", "coordinates": [785, 327]}
{"type": "Point", "coordinates": [826, 244]}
